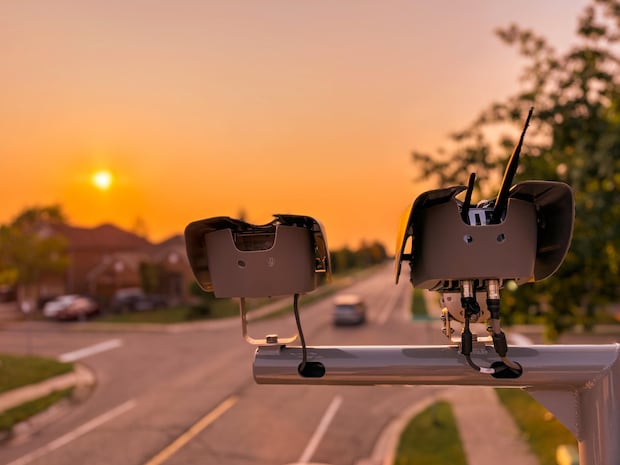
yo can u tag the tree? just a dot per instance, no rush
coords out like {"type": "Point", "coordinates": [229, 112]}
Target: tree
{"type": "Point", "coordinates": [30, 250]}
{"type": "Point", "coordinates": [342, 260]}
{"type": "Point", "coordinates": [370, 254]}
{"type": "Point", "coordinates": [575, 138]}
{"type": "Point", "coordinates": [346, 259]}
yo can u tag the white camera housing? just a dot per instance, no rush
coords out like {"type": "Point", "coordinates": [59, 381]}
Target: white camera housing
{"type": "Point", "coordinates": [529, 244]}
{"type": "Point", "coordinates": [233, 258]}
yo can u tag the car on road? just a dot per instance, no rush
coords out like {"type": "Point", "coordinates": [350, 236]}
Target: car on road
{"type": "Point", "coordinates": [349, 309]}
{"type": "Point", "coordinates": [70, 307]}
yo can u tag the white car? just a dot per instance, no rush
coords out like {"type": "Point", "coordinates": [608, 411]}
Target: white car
{"type": "Point", "coordinates": [70, 307]}
{"type": "Point", "coordinates": [349, 309]}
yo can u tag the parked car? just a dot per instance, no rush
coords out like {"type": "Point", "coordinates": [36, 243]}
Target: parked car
{"type": "Point", "coordinates": [70, 307]}
{"type": "Point", "coordinates": [349, 309]}
{"type": "Point", "coordinates": [135, 299]}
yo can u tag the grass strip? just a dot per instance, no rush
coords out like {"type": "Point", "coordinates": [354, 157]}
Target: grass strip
{"type": "Point", "coordinates": [418, 305]}
{"type": "Point", "coordinates": [431, 438]}
{"type": "Point", "coordinates": [543, 432]}
{"type": "Point", "coordinates": [22, 412]}
{"type": "Point", "coordinates": [219, 308]}
{"type": "Point", "coordinates": [21, 370]}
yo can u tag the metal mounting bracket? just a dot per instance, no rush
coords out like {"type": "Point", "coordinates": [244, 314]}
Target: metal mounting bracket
{"type": "Point", "coordinates": [269, 340]}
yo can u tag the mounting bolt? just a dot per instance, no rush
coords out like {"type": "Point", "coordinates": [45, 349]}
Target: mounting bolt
{"type": "Point", "coordinates": [271, 339]}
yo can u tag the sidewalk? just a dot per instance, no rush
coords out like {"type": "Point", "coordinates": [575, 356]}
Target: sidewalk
{"type": "Point", "coordinates": [488, 432]}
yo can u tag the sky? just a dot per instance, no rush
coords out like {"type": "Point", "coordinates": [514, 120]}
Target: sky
{"type": "Point", "coordinates": [200, 108]}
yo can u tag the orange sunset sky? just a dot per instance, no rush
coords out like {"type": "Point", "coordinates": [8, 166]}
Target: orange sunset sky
{"type": "Point", "coordinates": [203, 108]}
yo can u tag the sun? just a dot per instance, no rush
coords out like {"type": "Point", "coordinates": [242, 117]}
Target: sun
{"type": "Point", "coordinates": [102, 180]}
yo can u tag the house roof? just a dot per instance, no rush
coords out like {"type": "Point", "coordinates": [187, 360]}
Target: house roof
{"type": "Point", "coordinates": [103, 237]}
{"type": "Point", "coordinates": [111, 242]}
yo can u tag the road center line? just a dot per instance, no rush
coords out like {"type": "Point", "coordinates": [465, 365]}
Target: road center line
{"type": "Point", "coordinates": [328, 416]}
{"type": "Point", "coordinates": [90, 350]}
{"type": "Point", "coordinates": [193, 431]}
{"type": "Point", "coordinates": [76, 433]}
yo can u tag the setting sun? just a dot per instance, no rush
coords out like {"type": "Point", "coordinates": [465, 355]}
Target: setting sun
{"type": "Point", "coordinates": [102, 180]}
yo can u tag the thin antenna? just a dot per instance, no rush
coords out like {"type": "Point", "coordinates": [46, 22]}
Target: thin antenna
{"type": "Point", "coordinates": [467, 201]}
{"type": "Point", "coordinates": [501, 201]}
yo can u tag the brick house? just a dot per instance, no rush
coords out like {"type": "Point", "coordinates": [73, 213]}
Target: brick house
{"type": "Point", "coordinates": [106, 258]}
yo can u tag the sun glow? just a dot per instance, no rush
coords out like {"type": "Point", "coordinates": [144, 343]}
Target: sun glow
{"type": "Point", "coordinates": [102, 180]}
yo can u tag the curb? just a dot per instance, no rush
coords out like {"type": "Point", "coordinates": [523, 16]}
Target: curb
{"type": "Point", "coordinates": [384, 450]}
{"type": "Point", "coordinates": [80, 377]}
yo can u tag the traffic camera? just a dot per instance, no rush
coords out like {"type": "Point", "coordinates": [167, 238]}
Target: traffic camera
{"type": "Point", "coordinates": [467, 252]}
{"type": "Point", "coordinates": [233, 258]}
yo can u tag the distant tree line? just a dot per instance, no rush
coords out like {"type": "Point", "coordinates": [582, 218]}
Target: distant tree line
{"type": "Point", "coordinates": [346, 259]}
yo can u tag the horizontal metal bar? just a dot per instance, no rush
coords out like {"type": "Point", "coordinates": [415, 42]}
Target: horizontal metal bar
{"type": "Point", "coordinates": [557, 367]}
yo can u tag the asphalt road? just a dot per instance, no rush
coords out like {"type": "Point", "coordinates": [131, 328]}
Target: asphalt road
{"type": "Point", "coordinates": [189, 397]}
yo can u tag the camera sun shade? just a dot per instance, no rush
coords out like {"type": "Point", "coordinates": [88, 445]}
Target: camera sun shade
{"type": "Point", "coordinates": [233, 258]}
{"type": "Point", "coordinates": [529, 244]}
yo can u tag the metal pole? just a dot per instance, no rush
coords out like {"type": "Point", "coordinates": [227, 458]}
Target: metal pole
{"type": "Point", "coordinates": [580, 384]}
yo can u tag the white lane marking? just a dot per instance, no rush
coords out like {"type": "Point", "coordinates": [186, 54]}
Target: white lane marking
{"type": "Point", "coordinates": [520, 339]}
{"type": "Point", "coordinates": [90, 350]}
{"type": "Point", "coordinates": [328, 416]}
{"type": "Point", "coordinates": [387, 309]}
{"type": "Point", "coordinates": [76, 433]}
{"type": "Point", "coordinates": [191, 433]}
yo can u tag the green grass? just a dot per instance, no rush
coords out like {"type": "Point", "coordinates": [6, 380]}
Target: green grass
{"type": "Point", "coordinates": [543, 432]}
{"type": "Point", "coordinates": [219, 308]}
{"type": "Point", "coordinates": [431, 438]}
{"type": "Point", "coordinates": [418, 305]}
{"type": "Point", "coordinates": [15, 415]}
{"type": "Point", "coordinates": [20, 370]}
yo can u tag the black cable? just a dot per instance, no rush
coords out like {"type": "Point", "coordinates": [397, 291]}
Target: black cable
{"type": "Point", "coordinates": [467, 343]}
{"type": "Point", "coordinates": [471, 363]}
{"type": "Point", "coordinates": [504, 369]}
{"type": "Point", "coordinates": [304, 352]}
{"type": "Point", "coordinates": [467, 347]}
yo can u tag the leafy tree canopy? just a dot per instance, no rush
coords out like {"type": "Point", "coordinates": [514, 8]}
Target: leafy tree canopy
{"type": "Point", "coordinates": [575, 138]}
{"type": "Point", "coordinates": [29, 248]}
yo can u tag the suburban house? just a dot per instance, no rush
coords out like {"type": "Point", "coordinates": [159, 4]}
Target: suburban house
{"type": "Point", "coordinates": [106, 258]}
